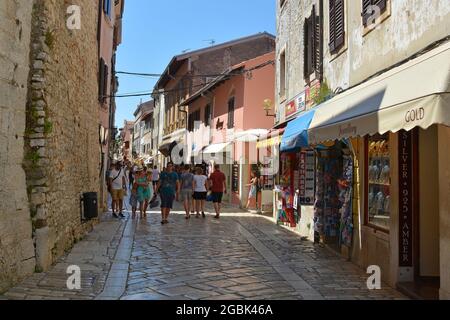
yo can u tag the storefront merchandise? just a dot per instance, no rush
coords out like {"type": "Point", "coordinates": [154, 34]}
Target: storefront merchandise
{"type": "Point", "coordinates": [346, 199]}
{"type": "Point", "coordinates": [379, 173]}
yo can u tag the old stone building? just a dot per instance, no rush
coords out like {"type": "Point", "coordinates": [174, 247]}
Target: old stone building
{"type": "Point", "coordinates": [188, 72]}
{"type": "Point", "coordinates": [49, 128]}
{"type": "Point", "coordinates": [17, 258]}
{"type": "Point", "coordinates": [365, 59]}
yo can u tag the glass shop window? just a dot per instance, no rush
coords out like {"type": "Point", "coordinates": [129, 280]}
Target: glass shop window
{"type": "Point", "coordinates": [378, 168]}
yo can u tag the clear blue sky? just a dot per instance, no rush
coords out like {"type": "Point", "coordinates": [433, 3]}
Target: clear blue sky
{"type": "Point", "coordinates": [154, 31]}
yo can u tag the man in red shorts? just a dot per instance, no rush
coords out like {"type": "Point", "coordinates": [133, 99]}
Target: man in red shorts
{"type": "Point", "coordinates": [219, 187]}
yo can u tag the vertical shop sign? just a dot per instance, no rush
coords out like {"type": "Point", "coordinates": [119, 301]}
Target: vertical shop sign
{"type": "Point", "coordinates": [406, 199]}
{"type": "Point", "coordinates": [235, 178]}
{"type": "Point", "coordinates": [307, 177]}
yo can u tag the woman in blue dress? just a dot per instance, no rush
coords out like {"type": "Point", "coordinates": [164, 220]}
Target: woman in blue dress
{"type": "Point", "coordinates": [144, 191]}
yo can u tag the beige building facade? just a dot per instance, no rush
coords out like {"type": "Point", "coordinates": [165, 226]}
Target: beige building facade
{"type": "Point", "coordinates": [17, 255]}
{"type": "Point", "coordinates": [357, 49]}
{"type": "Point", "coordinates": [50, 140]}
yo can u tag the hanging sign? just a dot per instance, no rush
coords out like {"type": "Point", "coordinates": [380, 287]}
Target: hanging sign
{"type": "Point", "coordinates": [406, 199]}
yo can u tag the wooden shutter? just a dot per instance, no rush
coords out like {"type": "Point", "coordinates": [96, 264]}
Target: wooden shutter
{"type": "Point", "coordinates": [337, 25]}
{"type": "Point", "coordinates": [318, 43]}
{"type": "Point", "coordinates": [305, 49]}
{"type": "Point", "coordinates": [207, 115]}
{"type": "Point", "coordinates": [340, 24]}
{"type": "Point", "coordinates": [101, 79]}
{"type": "Point", "coordinates": [366, 13]}
{"type": "Point", "coordinates": [231, 113]}
{"type": "Point", "coordinates": [332, 15]}
{"type": "Point", "coordinates": [312, 38]}
{"type": "Point", "coordinates": [382, 4]}
{"type": "Point", "coordinates": [105, 81]}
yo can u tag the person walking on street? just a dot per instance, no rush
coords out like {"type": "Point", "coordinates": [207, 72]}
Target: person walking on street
{"type": "Point", "coordinates": [254, 185]}
{"type": "Point", "coordinates": [155, 176]}
{"type": "Point", "coordinates": [118, 183]}
{"type": "Point", "coordinates": [168, 187]}
{"type": "Point", "coordinates": [143, 191]}
{"type": "Point", "coordinates": [109, 202]}
{"type": "Point", "coordinates": [200, 186]}
{"type": "Point", "coordinates": [186, 189]}
{"type": "Point", "coordinates": [149, 194]}
{"type": "Point", "coordinates": [218, 188]}
{"type": "Point", "coordinates": [131, 176]}
{"type": "Point", "coordinates": [134, 199]}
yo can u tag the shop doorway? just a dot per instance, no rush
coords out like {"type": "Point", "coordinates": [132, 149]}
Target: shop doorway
{"type": "Point", "coordinates": [425, 282]}
{"type": "Point", "coordinates": [333, 204]}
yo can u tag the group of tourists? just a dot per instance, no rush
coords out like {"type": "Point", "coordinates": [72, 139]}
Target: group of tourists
{"type": "Point", "coordinates": [189, 185]}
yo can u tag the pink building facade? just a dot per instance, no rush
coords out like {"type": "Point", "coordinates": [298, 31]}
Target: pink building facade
{"type": "Point", "coordinates": [225, 119]}
{"type": "Point", "coordinates": [109, 37]}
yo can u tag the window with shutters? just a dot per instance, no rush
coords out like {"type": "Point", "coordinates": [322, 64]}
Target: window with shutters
{"type": "Point", "coordinates": [193, 118]}
{"type": "Point", "coordinates": [103, 81]}
{"type": "Point", "coordinates": [313, 45]}
{"type": "Point", "coordinates": [208, 115]}
{"type": "Point", "coordinates": [337, 25]}
{"type": "Point", "coordinates": [282, 80]}
{"type": "Point", "coordinates": [374, 12]}
{"type": "Point", "coordinates": [107, 7]}
{"type": "Point", "coordinates": [231, 108]}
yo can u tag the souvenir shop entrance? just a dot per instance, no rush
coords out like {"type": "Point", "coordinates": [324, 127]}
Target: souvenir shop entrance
{"type": "Point", "coordinates": [333, 214]}
{"type": "Point", "coordinates": [419, 247]}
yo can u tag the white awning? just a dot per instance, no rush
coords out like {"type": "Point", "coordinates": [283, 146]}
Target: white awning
{"type": "Point", "coordinates": [217, 148]}
{"type": "Point", "coordinates": [250, 135]}
{"type": "Point", "coordinates": [415, 94]}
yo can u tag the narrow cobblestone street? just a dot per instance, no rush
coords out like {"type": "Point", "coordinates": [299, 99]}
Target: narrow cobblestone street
{"type": "Point", "coordinates": [241, 256]}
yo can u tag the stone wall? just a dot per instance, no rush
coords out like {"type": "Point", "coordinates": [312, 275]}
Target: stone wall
{"type": "Point", "coordinates": [62, 148]}
{"type": "Point", "coordinates": [16, 245]}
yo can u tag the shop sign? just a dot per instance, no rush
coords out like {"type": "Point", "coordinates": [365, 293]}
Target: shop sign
{"type": "Point", "coordinates": [235, 178]}
{"type": "Point", "coordinates": [307, 178]}
{"type": "Point", "coordinates": [291, 108]}
{"type": "Point", "coordinates": [303, 101]}
{"type": "Point", "coordinates": [406, 199]}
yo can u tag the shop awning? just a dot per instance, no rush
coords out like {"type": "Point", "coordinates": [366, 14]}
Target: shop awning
{"type": "Point", "coordinates": [296, 134]}
{"type": "Point", "coordinates": [250, 135]}
{"type": "Point", "coordinates": [167, 148]}
{"type": "Point", "coordinates": [273, 138]}
{"type": "Point", "coordinates": [415, 94]}
{"type": "Point", "coordinates": [216, 148]}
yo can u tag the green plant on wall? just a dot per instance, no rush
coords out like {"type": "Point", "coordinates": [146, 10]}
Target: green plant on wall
{"type": "Point", "coordinates": [49, 38]}
{"type": "Point", "coordinates": [33, 157]}
{"type": "Point", "coordinates": [48, 126]}
{"type": "Point", "coordinates": [324, 94]}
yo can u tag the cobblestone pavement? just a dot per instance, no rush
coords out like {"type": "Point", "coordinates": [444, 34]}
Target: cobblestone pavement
{"type": "Point", "coordinates": [240, 256]}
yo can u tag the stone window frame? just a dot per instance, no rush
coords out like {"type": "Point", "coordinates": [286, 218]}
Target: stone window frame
{"type": "Point", "coordinates": [282, 94]}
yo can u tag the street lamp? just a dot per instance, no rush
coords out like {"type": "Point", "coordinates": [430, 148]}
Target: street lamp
{"type": "Point", "coordinates": [268, 106]}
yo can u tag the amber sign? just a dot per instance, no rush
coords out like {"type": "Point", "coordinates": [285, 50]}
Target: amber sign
{"type": "Point", "coordinates": [406, 199]}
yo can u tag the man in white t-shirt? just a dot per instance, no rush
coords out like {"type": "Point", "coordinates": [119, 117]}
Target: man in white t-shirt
{"type": "Point", "coordinates": [155, 176]}
{"type": "Point", "coordinates": [118, 183]}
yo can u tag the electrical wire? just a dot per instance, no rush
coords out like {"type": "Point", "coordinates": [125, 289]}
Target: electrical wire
{"type": "Point", "coordinates": [225, 76]}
